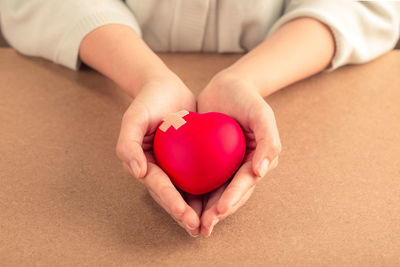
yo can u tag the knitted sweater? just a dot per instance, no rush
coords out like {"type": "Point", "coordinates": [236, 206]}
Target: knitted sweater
{"type": "Point", "coordinates": [54, 29]}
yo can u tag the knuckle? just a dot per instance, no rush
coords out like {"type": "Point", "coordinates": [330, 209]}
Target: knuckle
{"type": "Point", "coordinates": [263, 111]}
{"type": "Point", "coordinates": [177, 211]}
{"type": "Point", "coordinates": [262, 114]}
{"type": "Point", "coordinates": [276, 149]}
{"type": "Point", "coordinates": [268, 110]}
{"type": "Point", "coordinates": [158, 172]}
{"type": "Point", "coordinates": [120, 150]}
{"type": "Point", "coordinates": [126, 115]}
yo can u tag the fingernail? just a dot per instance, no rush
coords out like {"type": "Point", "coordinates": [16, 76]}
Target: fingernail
{"type": "Point", "coordinates": [190, 227]}
{"type": "Point", "coordinates": [263, 167]}
{"type": "Point", "coordinates": [192, 231]}
{"type": "Point", "coordinates": [135, 168]}
{"type": "Point", "coordinates": [192, 235]}
{"type": "Point", "coordinates": [214, 222]}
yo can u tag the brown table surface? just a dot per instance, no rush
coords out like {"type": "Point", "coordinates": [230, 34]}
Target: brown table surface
{"type": "Point", "coordinates": [65, 199]}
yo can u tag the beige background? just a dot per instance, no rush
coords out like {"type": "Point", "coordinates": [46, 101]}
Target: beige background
{"type": "Point", "coordinates": [65, 200]}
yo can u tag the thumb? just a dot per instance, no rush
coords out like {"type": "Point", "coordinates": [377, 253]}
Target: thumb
{"type": "Point", "coordinates": [129, 147]}
{"type": "Point", "coordinates": [268, 144]}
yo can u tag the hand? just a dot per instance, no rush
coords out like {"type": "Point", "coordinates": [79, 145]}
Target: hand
{"type": "Point", "coordinates": [239, 98]}
{"type": "Point", "coordinates": [154, 101]}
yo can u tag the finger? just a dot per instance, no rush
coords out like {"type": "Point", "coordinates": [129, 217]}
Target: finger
{"type": "Point", "coordinates": [129, 147]}
{"type": "Point", "coordinates": [268, 144]}
{"type": "Point", "coordinates": [196, 202]}
{"type": "Point", "coordinates": [160, 184]}
{"type": "Point", "coordinates": [248, 156]}
{"type": "Point", "coordinates": [251, 144]}
{"type": "Point", "coordinates": [241, 183]}
{"type": "Point", "coordinates": [127, 169]}
{"type": "Point", "coordinates": [148, 138]}
{"type": "Point", "coordinates": [241, 202]}
{"type": "Point", "coordinates": [150, 157]}
{"type": "Point", "coordinates": [193, 233]}
{"type": "Point", "coordinates": [147, 144]}
{"type": "Point", "coordinates": [209, 216]}
{"type": "Point", "coordinates": [147, 147]}
{"type": "Point", "coordinates": [248, 134]}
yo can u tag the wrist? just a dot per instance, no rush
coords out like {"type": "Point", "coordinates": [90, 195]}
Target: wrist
{"type": "Point", "coordinates": [248, 73]}
{"type": "Point", "coordinates": [134, 83]}
{"type": "Point", "coordinates": [233, 79]}
{"type": "Point", "coordinates": [165, 84]}
{"type": "Point", "coordinates": [229, 86]}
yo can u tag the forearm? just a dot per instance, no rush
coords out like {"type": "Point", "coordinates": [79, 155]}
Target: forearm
{"type": "Point", "coordinates": [297, 50]}
{"type": "Point", "coordinates": [120, 54]}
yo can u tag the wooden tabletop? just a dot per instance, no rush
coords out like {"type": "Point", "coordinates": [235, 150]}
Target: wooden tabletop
{"type": "Point", "coordinates": [65, 199]}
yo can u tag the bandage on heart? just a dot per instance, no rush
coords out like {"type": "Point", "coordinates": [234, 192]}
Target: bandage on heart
{"type": "Point", "coordinates": [175, 120]}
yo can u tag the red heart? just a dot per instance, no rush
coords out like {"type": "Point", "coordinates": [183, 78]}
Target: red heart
{"type": "Point", "coordinates": [199, 152]}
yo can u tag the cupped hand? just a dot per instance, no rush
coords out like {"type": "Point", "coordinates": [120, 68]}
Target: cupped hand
{"type": "Point", "coordinates": [240, 99]}
{"type": "Point", "coordinates": [154, 102]}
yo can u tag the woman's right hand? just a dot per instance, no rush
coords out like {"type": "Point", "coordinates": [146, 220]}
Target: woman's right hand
{"type": "Point", "coordinates": [155, 100]}
{"type": "Point", "coordinates": [119, 53]}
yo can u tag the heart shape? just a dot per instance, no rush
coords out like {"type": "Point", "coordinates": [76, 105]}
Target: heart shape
{"type": "Point", "coordinates": [199, 152]}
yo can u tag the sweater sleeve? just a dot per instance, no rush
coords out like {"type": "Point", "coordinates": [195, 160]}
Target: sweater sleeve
{"type": "Point", "coordinates": [54, 29]}
{"type": "Point", "coordinates": [362, 30]}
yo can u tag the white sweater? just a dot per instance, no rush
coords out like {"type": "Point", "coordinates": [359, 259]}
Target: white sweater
{"type": "Point", "coordinates": [54, 29]}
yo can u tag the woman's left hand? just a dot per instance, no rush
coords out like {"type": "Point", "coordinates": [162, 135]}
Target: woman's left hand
{"type": "Point", "coordinates": [238, 98]}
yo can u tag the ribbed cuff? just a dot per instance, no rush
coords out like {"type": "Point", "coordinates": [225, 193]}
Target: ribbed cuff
{"type": "Point", "coordinates": [67, 52]}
